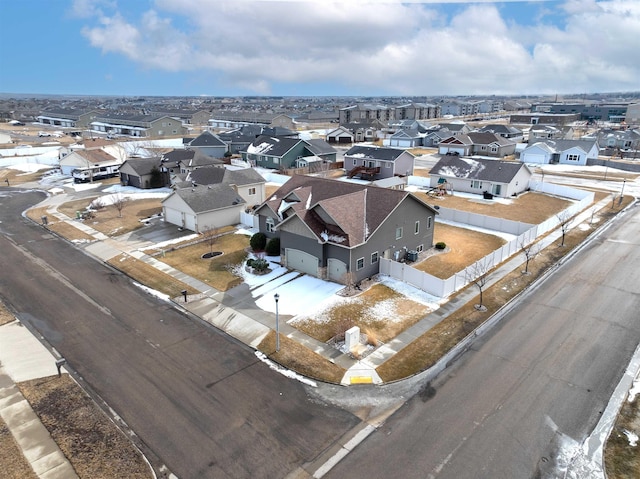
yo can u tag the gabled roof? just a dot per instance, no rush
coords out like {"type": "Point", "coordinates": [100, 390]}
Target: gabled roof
{"type": "Point", "coordinates": [214, 175]}
{"type": "Point", "coordinates": [142, 166]}
{"type": "Point", "coordinates": [498, 129]}
{"type": "Point", "coordinates": [337, 212]}
{"type": "Point", "coordinates": [486, 138]}
{"type": "Point", "coordinates": [272, 146]}
{"type": "Point", "coordinates": [207, 139]}
{"type": "Point", "coordinates": [476, 169]}
{"type": "Point", "coordinates": [457, 140]}
{"type": "Point", "coordinates": [375, 153]}
{"type": "Point", "coordinates": [96, 156]}
{"type": "Point", "coordinates": [406, 134]}
{"type": "Point", "coordinates": [319, 147]}
{"type": "Point", "coordinates": [208, 198]}
{"type": "Point", "coordinates": [558, 146]}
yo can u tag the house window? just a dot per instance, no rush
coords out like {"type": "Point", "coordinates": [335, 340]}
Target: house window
{"type": "Point", "coordinates": [429, 222]}
{"type": "Point", "coordinates": [494, 149]}
{"type": "Point", "coordinates": [573, 157]}
{"type": "Point", "coordinates": [252, 191]}
{"type": "Point", "coordinates": [276, 161]}
{"type": "Point", "coordinates": [399, 232]}
{"type": "Point", "coordinates": [271, 224]}
{"type": "Point", "coordinates": [374, 257]}
{"type": "Point", "coordinates": [476, 184]}
{"type": "Point", "coordinates": [420, 248]}
{"type": "Point", "coordinates": [359, 263]}
{"type": "Point", "coordinates": [416, 230]}
{"type": "Point", "coordinates": [387, 164]}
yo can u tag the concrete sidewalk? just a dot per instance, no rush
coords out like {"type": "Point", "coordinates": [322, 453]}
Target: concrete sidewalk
{"type": "Point", "coordinates": [22, 358]}
{"type": "Point", "coordinates": [214, 306]}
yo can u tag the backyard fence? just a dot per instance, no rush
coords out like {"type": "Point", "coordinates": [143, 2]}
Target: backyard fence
{"type": "Point", "coordinates": [526, 234]}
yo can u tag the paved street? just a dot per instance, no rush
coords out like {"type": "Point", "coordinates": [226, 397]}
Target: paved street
{"type": "Point", "coordinates": [200, 402]}
{"type": "Point", "coordinates": [525, 395]}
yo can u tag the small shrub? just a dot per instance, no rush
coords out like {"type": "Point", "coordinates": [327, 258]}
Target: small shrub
{"type": "Point", "coordinates": [273, 247]}
{"type": "Point", "coordinates": [250, 262]}
{"type": "Point", "coordinates": [258, 241]}
{"type": "Point", "coordinates": [260, 264]}
{"type": "Point", "coordinates": [441, 245]}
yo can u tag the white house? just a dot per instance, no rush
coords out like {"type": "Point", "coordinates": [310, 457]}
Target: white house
{"type": "Point", "coordinates": [566, 152]}
{"type": "Point", "coordinates": [498, 177]}
{"type": "Point", "coordinates": [201, 207]}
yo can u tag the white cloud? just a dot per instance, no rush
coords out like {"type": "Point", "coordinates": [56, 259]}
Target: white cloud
{"type": "Point", "coordinates": [383, 47]}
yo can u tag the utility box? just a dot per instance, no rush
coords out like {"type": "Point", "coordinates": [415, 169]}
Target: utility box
{"type": "Point", "coordinates": [412, 256]}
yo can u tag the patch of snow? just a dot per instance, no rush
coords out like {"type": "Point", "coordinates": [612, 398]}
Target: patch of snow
{"type": "Point", "coordinates": [501, 234]}
{"type": "Point", "coordinates": [285, 372]}
{"type": "Point", "coordinates": [415, 294]}
{"type": "Point", "coordinates": [634, 391]}
{"type": "Point", "coordinates": [153, 292]}
{"type": "Point", "coordinates": [632, 437]}
{"type": "Point", "coordinates": [301, 294]}
{"type": "Point", "coordinates": [162, 244]}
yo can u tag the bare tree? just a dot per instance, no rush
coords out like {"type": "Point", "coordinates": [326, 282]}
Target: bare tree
{"type": "Point", "coordinates": [119, 202]}
{"type": "Point", "coordinates": [478, 274]}
{"type": "Point", "coordinates": [565, 220]}
{"type": "Point", "coordinates": [210, 235]}
{"type": "Point", "coordinates": [349, 279]}
{"type": "Point", "coordinates": [530, 251]}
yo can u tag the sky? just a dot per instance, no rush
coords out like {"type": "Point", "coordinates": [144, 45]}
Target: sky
{"type": "Point", "coordinates": [319, 47]}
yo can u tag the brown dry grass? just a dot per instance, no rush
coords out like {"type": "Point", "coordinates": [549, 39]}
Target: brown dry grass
{"type": "Point", "coordinates": [622, 460]}
{"type": "Point", "coordinates": [108, 220]}
{"type": "Point", "coordinates": [425, 351]}
{"type": "Point", "coordinates": [17, 177]}
{"type": "Point", "coordinates": [298, 358]}
{"type": "Point", "coordinates": [530, 208]}
{"type": "Point", "coordinates": [360, 311]}
{"type": "Point", "coordinates": [464, 247]}
{"type": "Point", "coordinates": [5, 315]}
{"type": "Point", "coordinates": [94, 446]}
{"type": "Point", "coordinates": [215, 271]}
{"type": "Point", "coordinates": [150, 276]}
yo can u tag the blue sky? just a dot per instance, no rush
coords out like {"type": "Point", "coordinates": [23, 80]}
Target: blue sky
{"type": "Point", "coordinates": [318, 47]}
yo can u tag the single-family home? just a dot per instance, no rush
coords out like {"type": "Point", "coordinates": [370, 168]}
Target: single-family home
{"type": "Point", "coordinates": [406, 139]}
{"type": "Point", "coordinates": [86, 158]}
{"type": "Point", "coordinates": [247, 182]}
{"type": "Point", "coordinates": [208, 144]}
{"type": "Point", "coordinates": [375, 163]}
{"type": "Point", "coordinates": [478, 175]}
{"type": "Point", "coordinates": [338, 230]}
{"type": "Point", "coordinates": [505, 131]}
{"type": "Point", "coordinates": [456, 144]}
{"type": "Point", "coordinates": [202, 207]}
{"type": "Point", "coordinates": [282, 152]}
{"type": "Point", "coordinates": [491, 144]}
{"type": "Point", "coordinates": [144, 173]}
{"type": "Point", "coordinates": [340, 135]}
{"type": "Point", "coordinates": [567, 152]}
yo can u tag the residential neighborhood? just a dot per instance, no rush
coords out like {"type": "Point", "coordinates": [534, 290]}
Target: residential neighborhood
{"type": "Point", "coordinates": [352, 242]}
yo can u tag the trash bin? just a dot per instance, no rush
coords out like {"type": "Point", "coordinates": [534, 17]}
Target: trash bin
{"type": "Point", "coordinates": [78, 215]}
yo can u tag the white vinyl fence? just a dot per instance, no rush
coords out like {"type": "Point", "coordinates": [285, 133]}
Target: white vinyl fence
{"type": "Point", "coordinates": [526, 234]}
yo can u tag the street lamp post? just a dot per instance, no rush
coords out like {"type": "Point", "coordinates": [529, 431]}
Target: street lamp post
{"type": "Point", "coordinates": [277, 297]}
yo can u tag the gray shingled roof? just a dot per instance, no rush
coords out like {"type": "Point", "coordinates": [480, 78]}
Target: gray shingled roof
{"type": "Point", "coordinates": [143, 166]}
{"type": "Point", "coordinates": [374, 153]}
{"type": "Point", "coordinates": [208, 198]}
{"type": "Point", "coordinates": [214, 175]}
{"type": "Point", "coordinates": [358, 209]}
{"type": "Point", "coordinates": [476, 169]}
{"type": "Point", "coordinates": [207, 139]}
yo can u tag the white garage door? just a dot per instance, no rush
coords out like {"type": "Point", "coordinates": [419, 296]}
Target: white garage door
{"type": "Point", "coordinates": [190, 222]}
{"type": "Point", "coordinates": [301, 261]}
{"type": "Point", "coordinates": [173, 217]}
{"type": "Point", "coordinates": [336, 270]}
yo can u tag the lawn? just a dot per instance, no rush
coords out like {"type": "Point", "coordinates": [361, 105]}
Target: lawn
{"type": "Point", "coordinates": [530, 207]}
{"type": "Point", "coordinates": [464, 247]}
{"type": "Point", "coordinates": [426, 350]}
{"type": "Point", "coordinates": [109, 220]}
{"type": "Point", "coordinates": [380, 312]}
{"type": "Point", "coordinates": [214, 271]}
{"type": "Point", "coordinates": [91, 442]}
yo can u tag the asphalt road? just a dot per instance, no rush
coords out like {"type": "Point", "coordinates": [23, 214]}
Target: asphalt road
{"type": "Point", "coordinates": [514, 405]}
{"type": "Point", "coordinates": [199, 402]}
